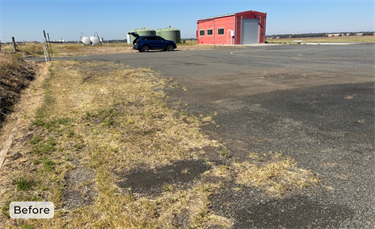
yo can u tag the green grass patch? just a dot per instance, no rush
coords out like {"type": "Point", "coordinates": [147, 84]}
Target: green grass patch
{"type": "Point", "coordinates": [5, 209]}
{"type": "Point", "coordinates": [22, 184]}
{"type": "Point", "coordinates": [44, 146]}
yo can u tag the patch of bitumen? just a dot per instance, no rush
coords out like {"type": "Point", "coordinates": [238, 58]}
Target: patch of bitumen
{"type": "Point", "coordinates": [79, 190]}
{"type": "Point", "coordinates": [326, 129]}
{"type": "Point", "coordinates": [151, 181]}
{"type": "Point", "coordinates": [329, 130]}
{"type": "Point", "coordinates": [250, 209]}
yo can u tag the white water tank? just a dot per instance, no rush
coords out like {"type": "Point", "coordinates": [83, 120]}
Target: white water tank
{"type": "Point", "coordinates": [94, 40]}
{"type": "Point", "coordinates": [128, 39]}
{"type": "Point", "coordinates": [86, 40]}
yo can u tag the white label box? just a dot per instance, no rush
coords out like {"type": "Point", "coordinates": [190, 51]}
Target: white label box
{"type": "Point", "coordinates": [31, 210]}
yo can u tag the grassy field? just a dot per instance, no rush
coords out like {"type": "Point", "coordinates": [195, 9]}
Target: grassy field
{"type": "Point", "coordinates": [343, 39]}
{"type": "Point", "coordinates": [36, 49]}
{"type": "Point", "coordinates": [97, 121]}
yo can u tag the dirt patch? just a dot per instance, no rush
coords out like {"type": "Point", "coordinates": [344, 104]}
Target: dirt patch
{"type": "Point", "coordinates": [155, 180]}
{"type": "Point", "coordinates": [80, 189]}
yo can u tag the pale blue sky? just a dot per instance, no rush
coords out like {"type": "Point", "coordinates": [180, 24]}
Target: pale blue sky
{"type": "Point", "coordinates": [26, 20]}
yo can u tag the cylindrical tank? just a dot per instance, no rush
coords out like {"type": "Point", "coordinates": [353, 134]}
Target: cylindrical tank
{"type": "Point", "coordinates": [128, 38]}
{"type": "Point", "coordinates": [94, 40]}
{"type": "Point", "coordinates": [142, 32]}
{"type": "Point", "coordinates": [158, 32]}
{"type": "Point", "coordinates": [86, 40]}
{"type": "Point", "coordinates": [172, 34]}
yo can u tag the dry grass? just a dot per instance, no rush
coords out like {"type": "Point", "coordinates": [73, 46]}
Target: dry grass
{"type": "Point", "coordinates": [343, 39]}
{"type": "Point", "coordinates": [9, 62]}
{"type": "Point", "coordinates": [109, 119]}
{"type": "Point", "coordinates": [272, 172]}
{"type": "Point", "coordinates": [58, 50]}
{"type": "Point", "coordinates": [36, 49]}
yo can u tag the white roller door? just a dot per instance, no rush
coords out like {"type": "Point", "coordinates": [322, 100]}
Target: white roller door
{"type": "Point", "coordinates": [250, 31]}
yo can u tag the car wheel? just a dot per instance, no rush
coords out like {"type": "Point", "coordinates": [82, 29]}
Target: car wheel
{"type": "Point", "coordinates": [145, 48]}
{"type": "Point", "coordinates": [170, 48]}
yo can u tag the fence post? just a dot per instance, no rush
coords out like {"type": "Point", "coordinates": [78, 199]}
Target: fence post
{"type": "Point", "coordinates": [0, 45]}
{"type": "Point", "coordinates": [14, 45]}
{"type": "Point", "coordinates": [45, 39]}
{"type": "Point", "coordinates": [50, 47]}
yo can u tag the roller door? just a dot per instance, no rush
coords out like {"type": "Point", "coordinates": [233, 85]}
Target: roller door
{"type": "Point", "coordinates": [249, 31]}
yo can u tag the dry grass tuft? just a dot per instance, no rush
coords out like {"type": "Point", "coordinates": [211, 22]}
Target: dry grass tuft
{"type": "Point", "coordinates": [273, 172]}
{"type": "Point", "coordinates": [277, 176]}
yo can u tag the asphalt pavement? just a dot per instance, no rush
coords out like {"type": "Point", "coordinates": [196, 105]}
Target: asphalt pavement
{"type": "Point", "coordinates": [312, 103]}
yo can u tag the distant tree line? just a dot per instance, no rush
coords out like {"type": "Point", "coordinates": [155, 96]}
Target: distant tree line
{"type": "Point", "coordinates": [305, 35]}
{"type": "Point", "coordinates": [368, 34]}
{"type": "Point", "coordinates": [302, 35]}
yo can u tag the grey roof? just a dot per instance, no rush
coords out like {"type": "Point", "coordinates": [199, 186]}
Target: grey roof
{"type": "Point", "coordinates": [224, 15]}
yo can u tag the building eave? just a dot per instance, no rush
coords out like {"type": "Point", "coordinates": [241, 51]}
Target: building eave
{"type": "Point", "coordinates": [207, 18]}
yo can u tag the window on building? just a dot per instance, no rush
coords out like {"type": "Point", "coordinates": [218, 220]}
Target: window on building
{"type": "Point", "coordinates": [220, 31]}
{"type": "Point", "coordinates": [209, 32]}
{"type": "Point", "coordinates": [201, 32]}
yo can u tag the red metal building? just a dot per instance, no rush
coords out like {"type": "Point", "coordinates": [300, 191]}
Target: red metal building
{"type": "Point", "coordinates": [248, 27]}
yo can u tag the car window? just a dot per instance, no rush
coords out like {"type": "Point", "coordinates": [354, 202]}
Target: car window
{"type": "Point", "coordinates": [149, 39]}
{"type": "Point", "coordinates": [160, 39]}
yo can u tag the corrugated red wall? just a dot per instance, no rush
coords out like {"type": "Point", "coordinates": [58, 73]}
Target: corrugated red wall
{"type": "Point", "coordinates": [229, 23]}
{"type": "Point", "coordinates": [251, 15]}
{"type": "Point", "coordinates": [223, 22]}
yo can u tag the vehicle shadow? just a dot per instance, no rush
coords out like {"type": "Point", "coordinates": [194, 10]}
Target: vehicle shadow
{"type": "Point", "coordinates": [159, 51]}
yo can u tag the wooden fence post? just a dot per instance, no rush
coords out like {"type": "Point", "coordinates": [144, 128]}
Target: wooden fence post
{"type": "Point", "coordinates": [49, 42]}
{"type": "Point", "coordinates": [46, 43]}
{"type": "Point", "coordinates": [14, 45]}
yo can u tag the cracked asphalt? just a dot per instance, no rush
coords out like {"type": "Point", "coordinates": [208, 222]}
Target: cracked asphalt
{"type": "Point", "coordinates": [312, 103]}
